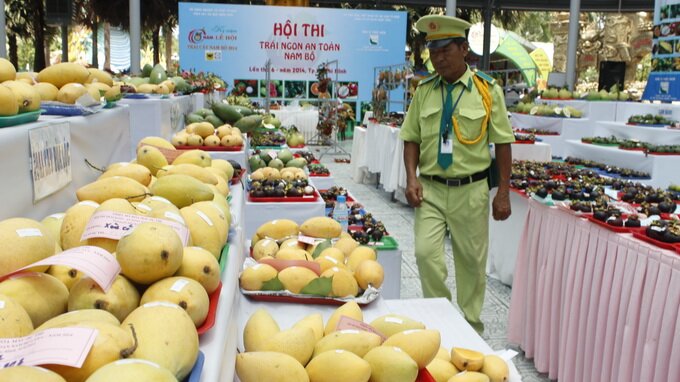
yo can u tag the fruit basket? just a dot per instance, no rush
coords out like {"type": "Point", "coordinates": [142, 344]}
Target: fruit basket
{"type": "Point", "coordinates": [278, 294]}
{"type": "Point", "coordinates": [197, 370]}
{"type": "Point", "coordinates": [20, 119]}
{"type": "Point", "coordinates": [212, 310]}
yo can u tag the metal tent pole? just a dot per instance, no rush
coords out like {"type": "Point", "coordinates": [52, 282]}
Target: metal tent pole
{"type": "Point", "coordinates": [572, 42]}
{"type": "Point", "coordinates": [451, 7]}
{"type": "Point", "coordinates": [135, 36]}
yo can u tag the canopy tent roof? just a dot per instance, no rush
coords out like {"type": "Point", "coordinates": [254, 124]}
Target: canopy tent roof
{"type": "Point", "coordinates": [552, 5]}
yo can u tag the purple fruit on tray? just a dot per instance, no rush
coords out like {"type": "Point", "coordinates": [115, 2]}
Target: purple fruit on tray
{"type": "Point", "coordinates": [600, 215]}
{"type": "Point", "coordinates": [615, 221]}
{"type": "Point", "coordinates": [633, 221]}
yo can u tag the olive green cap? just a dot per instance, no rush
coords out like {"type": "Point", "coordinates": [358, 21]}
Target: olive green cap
{"type": "Point", "coordinates": [440, 27]}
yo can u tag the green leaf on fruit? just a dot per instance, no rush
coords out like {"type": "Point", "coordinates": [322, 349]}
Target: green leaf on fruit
{"type": "Point", "coordinates": [272, 285]}
{"type": "Point", "coordinates": [320, 248]}
{"type": "Point", "coordinates": [319, 287]}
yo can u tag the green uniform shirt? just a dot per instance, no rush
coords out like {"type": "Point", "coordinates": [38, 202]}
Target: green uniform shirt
{"type": "Point", "coordinates": [422, 124]}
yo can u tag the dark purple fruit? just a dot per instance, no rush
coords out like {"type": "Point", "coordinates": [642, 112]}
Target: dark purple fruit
{"type": "Point", "coordinates": [633, 221]}
{"type": "Point", "coordinates": [600, 215]}
{"type": "Point", "coordinates": [558, 195]}
{"type": "Point", "coordinates": [667, 207]}
{"type": "Point", "coordinates": [617, 221]}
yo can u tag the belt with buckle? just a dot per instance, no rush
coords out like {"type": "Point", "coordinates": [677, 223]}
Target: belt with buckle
{"type": "Point", "coordinates": [456, 182]}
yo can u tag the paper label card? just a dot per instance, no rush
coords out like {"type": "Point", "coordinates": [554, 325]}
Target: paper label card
{"type": "Point", "coordinates": [50, 149]}
{"type": "Point", "coordinates": [345, 323]}
{"type": "Point", "coordinates": [62, 346]}
{"type": "Point", "coordinates": [114, 225]}
{"type": "Point", "coordinates": [446, 146]}
{"type": "Point", "coordinates": [95, 262]}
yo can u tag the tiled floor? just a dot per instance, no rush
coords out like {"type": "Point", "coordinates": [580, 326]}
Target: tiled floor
{"type": "Point", "coordinates": [398, 219]}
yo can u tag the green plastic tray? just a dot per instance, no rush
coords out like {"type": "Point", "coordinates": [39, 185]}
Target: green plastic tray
{"type": "Point", "coordinates": [387, 243]}
{"type": "Point", "coordinates": [224, 256]}
{"type": "Point", "coordinates": [20, 119]}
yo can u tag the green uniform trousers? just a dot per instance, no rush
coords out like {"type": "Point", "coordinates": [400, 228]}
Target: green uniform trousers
{"type": "Point", "coordinates": [464, 211]}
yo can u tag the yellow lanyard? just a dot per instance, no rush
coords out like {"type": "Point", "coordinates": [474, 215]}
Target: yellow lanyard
{"type": "Point", "coordinates": [483, 89]}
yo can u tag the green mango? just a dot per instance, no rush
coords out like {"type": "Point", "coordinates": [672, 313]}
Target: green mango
{"type": "Point", "coordinates": [204, 112]}
{"type": "Point", "coordinates": [297, 162]}
{"type": "Point", "coordinates": [157, 75]}
{"type": "Point", "coordinates": [181, 86]}
{"type": "Point", "coordinates": [146, 70]}
{"type": "Point", "coordinates": [227, 113]}
{"type": "Point", "coordinates": [216, 122]}
{"type": "Point", "coordinates": [249, 124]}
{"type": "Point", "coordinates": [285, 155]}
{"type": "Point", "coordinates": [193, 118]}
{"type": "Point", "coordinates": [245, 111]}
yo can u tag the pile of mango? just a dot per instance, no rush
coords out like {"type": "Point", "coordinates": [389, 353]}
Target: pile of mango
{"type": "Point", "coordinates": [394, 350]}
{"type": "Point", "coordinates": [153, 309]}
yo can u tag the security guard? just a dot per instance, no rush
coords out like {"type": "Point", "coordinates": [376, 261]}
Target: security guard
{"type": "Point", "coordinates": [453, 117]}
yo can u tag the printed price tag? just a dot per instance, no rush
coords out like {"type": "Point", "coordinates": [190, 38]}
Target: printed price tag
{"type": "Point", "coordinates": [114, 225]}
{"type": "Point", "coordinates": [178, 285]}
{"type": "Point", "coordinates": [272, 154]}
{"type": "Point", "coordinates": [347, 323]}
{"type": "Point", "coordinates": [95, 262]}
{"type": "Point", "coordinates": [307, 239]}
{"type": "Point", "coordinates": [62, 346]}
{"type": "Point", "coordinates": [27, 232]}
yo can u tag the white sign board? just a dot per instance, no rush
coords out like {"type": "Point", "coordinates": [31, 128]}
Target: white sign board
{"type": "Point", "coordinates": [50, 158]}
{"type": "Point", "coordinates": [476, 39]}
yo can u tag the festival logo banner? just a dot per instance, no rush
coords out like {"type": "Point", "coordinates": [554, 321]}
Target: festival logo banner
{"type": "Point", "coordinates": [236, 41]}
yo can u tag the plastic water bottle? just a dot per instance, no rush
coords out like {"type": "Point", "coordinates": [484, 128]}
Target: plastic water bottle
{"type": "Point", "coordinates": [340, 212]}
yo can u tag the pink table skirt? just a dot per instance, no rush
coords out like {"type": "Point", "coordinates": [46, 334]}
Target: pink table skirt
{"type": "Point", "coordinates": [589, 304]}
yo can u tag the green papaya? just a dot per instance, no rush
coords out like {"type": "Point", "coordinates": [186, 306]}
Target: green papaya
{"type": "Point", "coordinates": [214, 120]}
{"type": "Point", "coordinates": [146, 70]}
{"type": "Point", "coordinates": [297, 162]}
{"type": "Point", "coordinates": [204, 112]}
{"type": "Point", "coordinates": [157, 75]}
{"type": "Point", "coordinates": [244, 110]}
{"type": "Point", "coordinates": [227, 113]}
{"type": "Point", "coordinates": [249, 124]}
{"type": "Point", "coordinates": [181, 86]}
{"type": "Point", "coordinates": [193, 118]}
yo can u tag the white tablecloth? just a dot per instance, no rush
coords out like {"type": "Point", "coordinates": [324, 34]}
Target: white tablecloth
{"type": "Point", "coordinates": [568, 128]}
{"type": "Point", "coordinates": [627, 109]}
{"type": "Point", "coordinates": [504, 239]}
{"type": "Point", "coordinates": [322, 182]}
{"type": "Point", "coordinates": [359, 162]}
{"type": "Point", "coordinates": [592, 305]}
{"type": "Point", "coordinates": [101, 138]}
{"type": "Point", "coordinates": [539, 151]}
{"type": "Point", "coordinates": [305, 120]}
{"type": "Point", "coordinates": [663, 169]}
{"type": "Point", "coordinates": [436, 314]}
{"type": "Point", "coordinates": [593, 110]}
{"type": "Point", "coordinates": [654, 135]}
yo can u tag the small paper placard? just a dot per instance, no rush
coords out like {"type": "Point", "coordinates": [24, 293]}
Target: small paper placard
{"type": "Point", "coordinates": [114, 225]}
{"type": "Point", "coordinates": [62, 346]}
{"type": "Point", "coordinates": [50, 150]}
{"type": "Point", "coordinates": [345, 323]}
{"type": "Point", "coordinates": [178, 285]}
{"type": "Point", "coordinates": [28, 232]}
{"type": "Point", "coordinates": [306, 239]}
{"type": "Point", "coordinates": [95, 262]}
{"type": "Point", "coordinates": [272, 154]}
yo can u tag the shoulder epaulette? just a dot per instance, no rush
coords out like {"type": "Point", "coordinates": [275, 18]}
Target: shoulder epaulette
{"type": "Point", "coordinates": [428, 79]}
{"type": "Point", "coordinates": [485, 77]}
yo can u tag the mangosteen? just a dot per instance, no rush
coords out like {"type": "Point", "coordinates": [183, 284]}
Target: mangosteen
{"type": "Point", "coordinates": [652, 198]}
{"type": "Point", "coordinates": [615, 221]}
{"type": "Point", "coordinates": [550, 184]}
{"type": "Point", "coordinates": [575, 206]}
{"type": "Point", "coordinates": [656, 231]}
{"type": "Point", "coordinates": [586, 208]}
{"type": "Point", "coordinates": [257, 193]}
{"type": "Point", "coordinates": [295, 191]}
{"type": "Point", "coordinates": [577, 195]}
{"type": "Point", "coordinates": [667, 207]}
{"type": "Point", "coordinates": [633, 221]}
{"type": "Point", "coordinates": [639, 198]}
{"type": "Point", "coordinates": [558, 195]}
{"type": "Point", "coordinates": [542, 192]}
{"type": "Point", "coordinates": [377, 235]}
{"type": "Point", "coordinates": [628, 197]}
{"type": "Point", "coordinates": [670, 237]}
{"type": "Point", "coordinates": [617, 185]}
{"type": "Point", "coordinates": [601, 215]}
{"type": "Point", "coordinates": [654, 210]}
{"type": "Point", "coordinates": [279, 192]}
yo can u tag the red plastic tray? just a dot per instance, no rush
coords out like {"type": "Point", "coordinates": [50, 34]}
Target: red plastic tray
{"type": "Point", "coordinates": [665, 154]}
{"type": "Point", "coordinates": [640, 234]}
{"type": "Point", "coordinates": [318, 175]}
{"type": "Point", "coordinates": [212, 311]}
{"type": "Point", "coordinates": [285, 199]}
{"type": "Point", "coordinates": [525, 142]}
{"type": "Point", "coordinates": [632, 149]}
{"type": "Point", "coordinates": [348, 197]}
{"type": "Point", "coordinates": [237, 177]}
{"type": "Point", "coordinates": [425, 376]}
{"type": "Point", "coordinates": [298, 300]}
{"type": "Point", "coordinates": [210, 148]}
{"type": "Point", "coordinates": [609, 226]}
{"type": "Point", "coordinates": [297, 147]}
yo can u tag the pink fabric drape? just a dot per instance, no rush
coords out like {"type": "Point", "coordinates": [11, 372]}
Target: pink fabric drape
{"type": "Point", "coordinates": [589, 304]}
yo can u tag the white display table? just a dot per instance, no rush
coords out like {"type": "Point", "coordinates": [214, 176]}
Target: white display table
{"type": "Point", "coordinates": [663, 169]}
{"type": "Point", "coordinates": [568, 128]}
{"type": "Point", "coordinates": [627, 109]}
{"type": "Point", "coordinates": [593, 110]}
{"type": "Point", "coordinates": [157, 116]}
{"type": "Point", "coordinates": [359, 162]}
{"type": "Point", "coordinates": [102, 138]}
{"type": "Point", "coordinates": [539, 151]}
{"type": "Point", "coordinates": [436, 314]}
{"type": "Point", "coordinates": [305, 120]}
{"type": "Point", "coordinates": [504, 239]}
{"type": "Point", "coordinates": [322, 182]}
{"type": "Point", "coordinates": [654, 135]}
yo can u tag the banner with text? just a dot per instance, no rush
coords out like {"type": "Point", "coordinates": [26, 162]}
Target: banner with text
{"type": "Point", "coordinates": [235, 42]}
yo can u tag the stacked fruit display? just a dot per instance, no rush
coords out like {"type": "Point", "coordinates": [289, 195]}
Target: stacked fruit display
{"type": "Point", "coordinates": [294, 137]}
{"type": "Point", "coordinates": [562, 94]}
{"type": "Point", "coordinates": [320, 268]}
{"type": "Point", "coordinates": [205, 136]}
{"type": "Point", "coordinates": [268, 182]}
{"type": "Point", "coordinates": [392, 348]}
{"type": "Point", "coordinates": [175, 222]}
{"type": "Point", "coordinates": [548, 110]}
{"type": "Point", "coordinates": [275, 159]}
{"type": "Point", "coordinates": [649, 120]}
